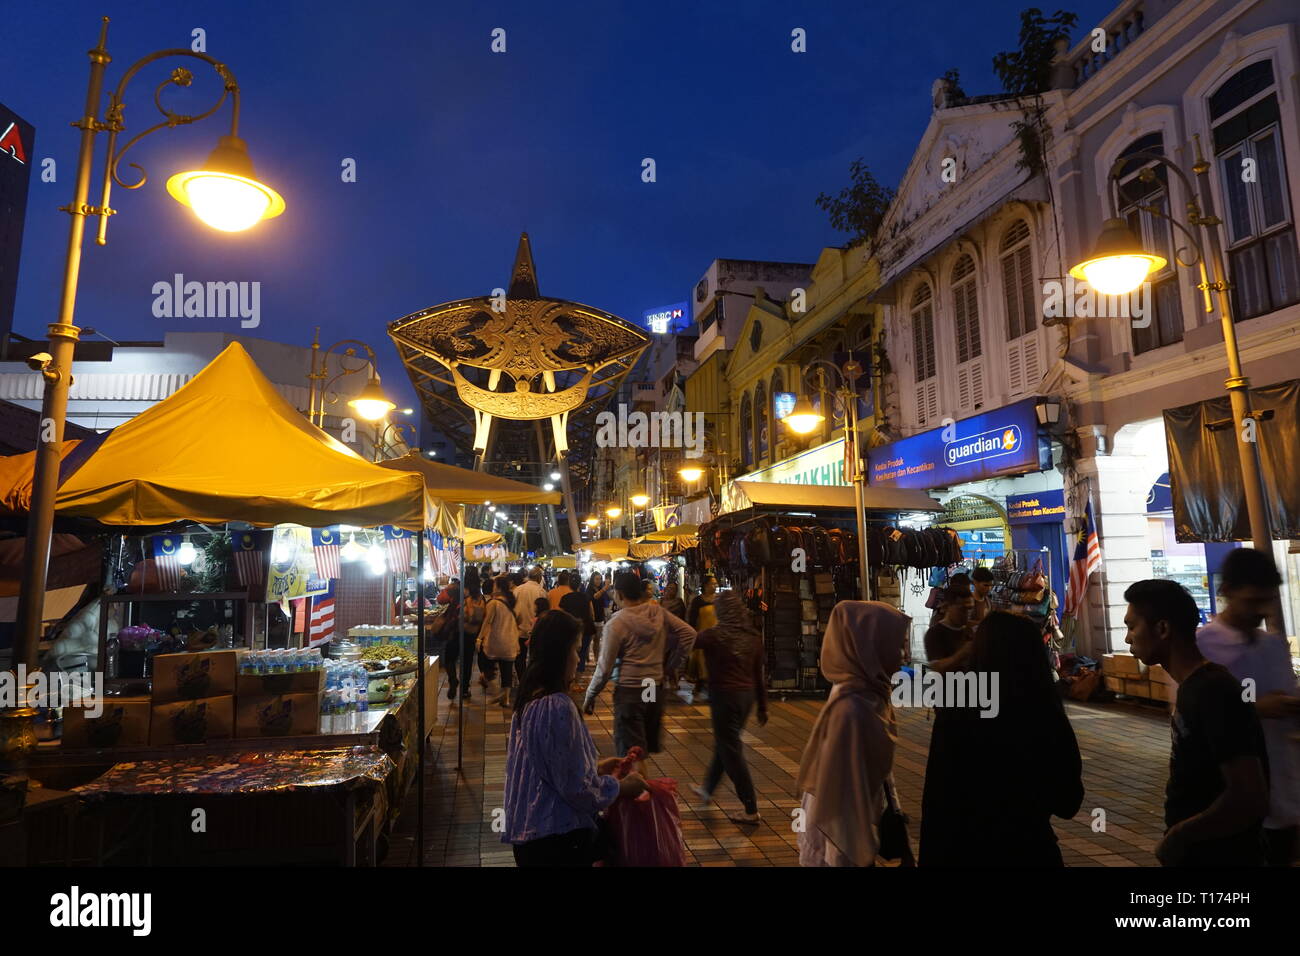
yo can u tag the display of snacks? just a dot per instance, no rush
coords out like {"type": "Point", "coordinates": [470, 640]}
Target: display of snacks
{"type": "Point", "coordinates": [369, 635]}
{"type": "Point", "coordinates": [391, 656]}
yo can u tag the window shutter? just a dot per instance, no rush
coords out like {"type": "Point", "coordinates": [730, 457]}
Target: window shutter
{"type": "Point", "coordinates": [1272, 201]}
{"type": "Point", "coordinates": [1015, 372]}
{"type": "Point", "coordinates": [1028, 295]}
{"type": "Point", "coordinates": [1238, 214]}
{"type": "Point", "coordinates": [1032, 363]}
{"type": "Point", "coordinates": [1009, 293]}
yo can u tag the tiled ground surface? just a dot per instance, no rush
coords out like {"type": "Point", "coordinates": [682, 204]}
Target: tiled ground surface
{"type": "Point", "coordinates": [1125, 751]}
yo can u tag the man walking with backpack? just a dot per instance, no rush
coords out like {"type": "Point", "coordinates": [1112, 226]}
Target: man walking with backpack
{"type": "Point", "coordinates": [637, 638]}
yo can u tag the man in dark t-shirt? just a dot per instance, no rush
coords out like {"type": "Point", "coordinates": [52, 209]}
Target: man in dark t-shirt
{"type": "Point", "coordinates": [952, 632]}
{"type": "Point", "coordinates": [1217, 793]}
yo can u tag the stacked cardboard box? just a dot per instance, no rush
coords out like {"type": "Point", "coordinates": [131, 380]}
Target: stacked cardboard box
{"type": "Point", "coordinates": [1125, 674]}
{"type": "Point", "coordinates": [122, 722]}
{"type": "Point", "coordinates": [1162, 685]}
{"type": "Point", "coordinates": [278, 705]}
{"type": "Point", "coordinates": [193, 698]}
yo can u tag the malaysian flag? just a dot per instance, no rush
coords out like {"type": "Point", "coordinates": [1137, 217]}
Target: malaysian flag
{"type": "Point", "coordinates": [325, 544]}
{"type": "Point", "coordinates": [247, 547]}
{"type": "Point", "coordinates": [322, 618]}
{"type": "Point", "coordinates": [1087, 558]}
{"type": "Point", "coordinates": [398, 543]}
{"type": "Point", "coordinates": [848, 461]}
{"type": "Point", "coordinates": [165, 564]}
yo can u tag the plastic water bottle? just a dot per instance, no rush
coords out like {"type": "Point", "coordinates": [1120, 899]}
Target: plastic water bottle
{"type": "Point", "coordinates": [363, 698]}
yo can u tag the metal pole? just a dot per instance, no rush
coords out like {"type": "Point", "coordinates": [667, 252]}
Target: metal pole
{"type": "Point", "coordinates": [465, 672]}
{"type": "Point", "coordinates": [859, 497]}
{"type": "Point", "coordinates": [63, 337]}
{"type": "Point", "coordinates": [1237, 384]}
{"type": "Point", "coordinates": [419, 631]}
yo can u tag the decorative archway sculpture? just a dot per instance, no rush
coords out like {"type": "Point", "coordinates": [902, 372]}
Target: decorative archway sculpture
{"type": "Point", "coordinates": [483, 363]}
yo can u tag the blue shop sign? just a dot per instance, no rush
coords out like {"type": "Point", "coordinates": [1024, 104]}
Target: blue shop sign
{"type": "Point", "coordinates": [1036, 508]}
{"type": "Point", "coordinates": [1004, 441]}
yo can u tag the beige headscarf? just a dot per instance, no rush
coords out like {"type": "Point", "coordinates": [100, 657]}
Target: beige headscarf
{"type": "Point", "coordinates": [851, 749]}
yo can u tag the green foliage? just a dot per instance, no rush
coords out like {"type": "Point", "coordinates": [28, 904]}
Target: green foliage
{"type": "Point", "coordinates": [1027, 71]}
{"type": "Point", "coordinates": [953, 77]}
{"type": "Point", "coordinates": [859, 208]}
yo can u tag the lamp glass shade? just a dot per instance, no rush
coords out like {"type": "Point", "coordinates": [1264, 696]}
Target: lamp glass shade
{"type": "Point", "coordinates": [593, 522]}
{"type": "Point", "coordinates": [640, 501]}
{"type": "Point", "coordinates": [352, 551]}
{"type": "Point", "coordinates": [1118, 264]}
{"type": "Point", "coordinates": [186, 554]}
{"type": "Point", "coordinates": [226, 194]}
{"type": "Point", "coordinates": [691, 472]}
{"type": "Point", "coordinates": [803, 418]}
{"type": "Point", "coordinates": [614, 512]}
{"type": "Point", "coordinates": [371, 403]}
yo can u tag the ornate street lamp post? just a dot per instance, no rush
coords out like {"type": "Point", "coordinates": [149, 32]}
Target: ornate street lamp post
{"type": "Point", "coordinates": [1119, 265]}
{"type": "Point", "coordinates": [225, 194]}
{"type": "Point", "coordinates": [804, 418]}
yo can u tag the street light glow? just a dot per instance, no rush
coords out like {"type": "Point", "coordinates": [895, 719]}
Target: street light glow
{"type": "Point", "coordinates": [372, 404]}
{"type": "Point", "coordinates": [225, 194]}
{"type": "Point", "coordinates": [1118, 264]}
{"type": "Point", "coordinates": [640, 501]}
{"type": "Point", "coordinates": [803, 418]}
{"type": "Point", "coordinates": [691, 472]}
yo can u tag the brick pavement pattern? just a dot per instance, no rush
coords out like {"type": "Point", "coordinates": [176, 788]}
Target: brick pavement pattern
{"type": "Point", "coordinates": [1125, 750]}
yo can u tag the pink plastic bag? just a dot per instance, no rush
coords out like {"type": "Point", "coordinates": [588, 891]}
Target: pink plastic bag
{"type": "Point", "coordinates": [647, 831]}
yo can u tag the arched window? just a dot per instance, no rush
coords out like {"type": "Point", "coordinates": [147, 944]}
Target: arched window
{"type": "Point", "coordinates": [923, 357]}
{"type": "Point", "coordinates": [1020, 295]}
{"type": "Point", "coordinates": [778, 387]}
{"type": "Point", "coordinates": [966, 331]}
{"type": "Point", "coordinates": [762, 419]}
{"type": "Point", "coordinates": [1166, 325]}
{"type": "Point", "coordinates": [1244, 119]}
{"type": "Point", "coordinates": [746, 431]}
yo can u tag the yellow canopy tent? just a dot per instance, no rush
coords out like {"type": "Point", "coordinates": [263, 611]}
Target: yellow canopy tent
{"type": "Point", "coordinates": [228, 447]}
{"type": "Point", "coordinates": [672, 532]}
{"type": "Point", "coordinates": [451, 483]}
{"type": "Point", "coordinates": [16, 473]}
{"type": "Point", "coordinates": [608, 549]}
{"type": "Point", "coordinates": [475, 537]}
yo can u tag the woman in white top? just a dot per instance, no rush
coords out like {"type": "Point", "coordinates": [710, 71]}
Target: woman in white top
{"type": "Point", "coordinates": [849, 759]}
{"type": "Point", "coordinates": [498, 639]}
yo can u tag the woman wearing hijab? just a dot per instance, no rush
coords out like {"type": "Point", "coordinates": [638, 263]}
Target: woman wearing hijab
{"type": "Point", "coordinates": [734, 652]}
{"type": "Point", "coordinates": [847, 767]}
{"type": "Point", "coordinates": [995, 779]}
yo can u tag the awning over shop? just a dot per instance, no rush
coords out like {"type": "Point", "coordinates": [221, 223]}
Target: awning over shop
{"type": "Point", "coordinates": [672, 532]}
{"type": "Point", "coordinates": [761, 494]}
{"type": "Point", "coordinates": [464, 486]}
{"type": "Point", "coordinates": [228, 447]}
{"type": "Point", "coordinates": [645, 550]}
{"type": "Point", "coordinates": [607, 549]}
{"type": "Point", "coordinates": [476, 537]}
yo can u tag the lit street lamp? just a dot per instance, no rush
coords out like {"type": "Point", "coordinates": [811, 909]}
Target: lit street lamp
{"type": "Point", "coordinates": [1119, 265]}
{"type": "Point", "coordinates": [803, 419]}
{"type": "Point", "coordinates": [225, 194]}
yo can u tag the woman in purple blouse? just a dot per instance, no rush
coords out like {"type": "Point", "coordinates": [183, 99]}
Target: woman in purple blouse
{"type": "Point", "coordinates": [555, 783]}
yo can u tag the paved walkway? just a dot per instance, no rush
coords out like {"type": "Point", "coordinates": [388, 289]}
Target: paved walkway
{"type": "Point", "coordinates": [1125, 751]}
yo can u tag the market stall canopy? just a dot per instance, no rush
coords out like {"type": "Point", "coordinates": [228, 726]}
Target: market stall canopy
{"type": "Point", "coordinates": [561, 561]}
{"type": "Point", "coordinates": [672, 532]}
{"type": "Point", "coordinates": [471, 487]}
{"type": "Point", "coordinates": [607, 549]}
{"type": "Point", "coordinates": [16, 473]}
{"type": "Point", "coordinates": [769, 494]}
{"type": "Point", "coordinates": [476, 537]}
{"type": "Point", "coordinates": [228, 447]}
{"type": "Point", "coordinates": [644, 550]}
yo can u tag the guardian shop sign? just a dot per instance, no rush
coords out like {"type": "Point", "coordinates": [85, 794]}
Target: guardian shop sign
{"type": "Point", "coordinates": [1004, 441]}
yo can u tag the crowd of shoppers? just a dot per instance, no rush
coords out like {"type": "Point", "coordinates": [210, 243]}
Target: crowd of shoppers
{"type": "Point", "coordinates": [996, 778]}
